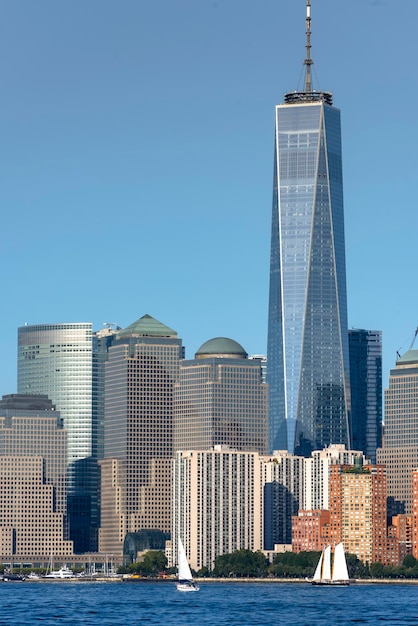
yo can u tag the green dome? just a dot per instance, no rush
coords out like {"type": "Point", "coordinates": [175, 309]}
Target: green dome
{"type": "Point", "coordinates": [221, 347]}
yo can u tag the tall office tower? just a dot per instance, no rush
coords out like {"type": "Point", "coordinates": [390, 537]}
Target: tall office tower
{"type": "Point", "coordinates": [414, 533]}
{"type": "Point", "coordinates": [307, 352]}
{"type": "Point", "coordinates": [102, 340]}
{"type": "Point", "coordinates": [358, 510]}
{"type": "Point", "coordinates": [56, 360]}
{"type": "Point", "coordinates": [399, 452]}
{"type": "Point", "coordinates": [217, 504]}
{"type": "Point", "coordinates": [284, 483]}
{"type": "Point", "coordinates": [365, 348]}
{"type": "Point", "coordinates": [141, 370]}
{"type": "Point", "coordinates": [32, 479]}
{"type": "Point", "coordinates": [220, 399]}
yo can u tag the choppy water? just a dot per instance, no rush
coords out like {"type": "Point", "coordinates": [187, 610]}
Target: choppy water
{"type": "Point", "coordinates": [114, 604]}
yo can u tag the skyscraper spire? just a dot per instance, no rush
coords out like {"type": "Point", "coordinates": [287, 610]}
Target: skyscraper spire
{"type": "Point", "coordinates": [308, 61]}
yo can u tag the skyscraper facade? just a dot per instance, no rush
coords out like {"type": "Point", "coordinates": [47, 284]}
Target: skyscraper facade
{"type": "Point", "coordinates": [217, 503]}
{"type": "Point", "coordinates": [307, 353]}
{"type": "Point", "coordinates": [358, 510]}
{"type": "Point", "coordinates": [56, 360]}
{"type": "Point", "coordinates": [142, 368]}
{"type": "Point", "coordinates": [399, 452]}
{"type": "Point", "coordinates": [220, 399]}
{"type": "Point", "coordinates": [366, 390]}
{"type": "Point", "coordinates": [32, 479]}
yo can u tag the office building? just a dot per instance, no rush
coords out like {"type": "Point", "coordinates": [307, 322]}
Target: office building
{"type": "Point", "coordinates": [217, 504]}
{"type": "Point", "coordinates": [365, 348]}
{"type": "Point", "coordinates": [220, 399]}
{"type": "Point", "coordinates": [141, 370]}
{"type": "Point", "coordinates": [32, 479]}
{"type": "Point", "coordinates": [414, 521]}
{"type": "Point", "coordinates": [307, 354]}
{"type": "Point", "coordinates": [56, 360]}
{"type": "Point", "coordinates": [399, 452]}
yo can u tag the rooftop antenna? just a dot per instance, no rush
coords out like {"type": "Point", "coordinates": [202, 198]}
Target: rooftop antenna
{"type": "Point", "coordinates": [308, 61]}
{"type": "Point", "coordinates": [308, 94]}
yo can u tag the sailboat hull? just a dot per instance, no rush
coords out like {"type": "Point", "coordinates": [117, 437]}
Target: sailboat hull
{"type": "Point", "coordinates": [187, 587]}
{"type": "Point", "coordinates": [330, 583]}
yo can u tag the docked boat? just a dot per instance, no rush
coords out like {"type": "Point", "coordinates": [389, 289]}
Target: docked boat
{"type": "Point", "coordinates": [63, 572]}
{"type": "Point", "coordinates": [185, 578]}
{"type": "Point", "coordinates": [339, 574]}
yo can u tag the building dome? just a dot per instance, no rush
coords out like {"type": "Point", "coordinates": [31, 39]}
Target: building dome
{"type": "Point", "coordinates": [221, 347]}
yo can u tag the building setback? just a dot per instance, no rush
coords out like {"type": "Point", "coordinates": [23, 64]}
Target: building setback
{"type": "Point", "coordinates": [32, 479]}
{"type": "Point", "coordinates": [307, 354]}
{"type": "Point", "coordinates": [142, 368]}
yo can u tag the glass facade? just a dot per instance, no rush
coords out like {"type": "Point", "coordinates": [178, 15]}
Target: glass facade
{"type": "Point", "coordinates": [366, 390]}
{"type": "Point", "coordinates": [56, 360]}
{"type": "Point", "coordinates": [307, 359]}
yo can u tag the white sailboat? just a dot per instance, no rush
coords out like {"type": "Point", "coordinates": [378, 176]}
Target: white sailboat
{"type": "Point", "coordinates": [339, 574]}
{"type": "Point", "coordinates": [185, 578]}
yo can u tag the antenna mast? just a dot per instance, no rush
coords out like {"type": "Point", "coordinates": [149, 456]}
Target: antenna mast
{"type": "Point", "coordinates": [308, 61]}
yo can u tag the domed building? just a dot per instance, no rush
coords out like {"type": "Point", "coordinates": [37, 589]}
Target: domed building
{"type": "Point", "coordinates": [220, 399]}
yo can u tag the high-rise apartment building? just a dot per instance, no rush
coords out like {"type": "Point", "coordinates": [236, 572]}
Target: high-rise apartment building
{"type": "Point", "coordinates": [283, 479]}
{"type": "Point", "coordinates": [56, 360]}
{"type": "Point", "coordinates": [366, 390]}
{"type": "Point", "coordinates": [141, 370]}
{"type": "Point", "coordinates": [307, 354]}
{"type": "Point", "coordinates": [220, 399]}
{"type": "Point", "coordinates": [358, 510]}
{"type": "Point", "coordinates": [217, 504]}
{"type": "Point", "coordinates": [32, 479]}
{"type": "Point", "coordinates": [317, 474]}
{"type": "Point", "coordinates": [399, 452]}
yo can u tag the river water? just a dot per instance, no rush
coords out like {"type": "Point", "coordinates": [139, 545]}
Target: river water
{"type": "Point", "coordinates": [218, 604]}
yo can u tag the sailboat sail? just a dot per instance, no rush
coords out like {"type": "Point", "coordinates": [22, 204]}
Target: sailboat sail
{"type": "Point", "coordinates": [185, 578]}
{"type": "Point", "coordinates": [326, 571]}
{"type": "Point", "coordinates": [340, 571]}
{"type": "Point", "coordinates": [318, 571]}
{"type": "Point", "coordinates": [184, 569]}
{"type": "Point", "coordinates": [322, 574]}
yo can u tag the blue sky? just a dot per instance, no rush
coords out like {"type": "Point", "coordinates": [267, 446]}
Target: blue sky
{"type": "Point", "coordinates": [137, 159]}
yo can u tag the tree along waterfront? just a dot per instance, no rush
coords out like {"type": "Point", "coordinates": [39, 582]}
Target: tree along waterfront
{"type": "Point", "coordinates": [248, 564]}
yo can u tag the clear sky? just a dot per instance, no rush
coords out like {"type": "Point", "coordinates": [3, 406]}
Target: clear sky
{"type": "Point", "coordinates": [137, 161]}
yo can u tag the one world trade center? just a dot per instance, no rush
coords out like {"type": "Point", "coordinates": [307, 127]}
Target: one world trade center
{"type": "Point", "coordinates": [307, 354]}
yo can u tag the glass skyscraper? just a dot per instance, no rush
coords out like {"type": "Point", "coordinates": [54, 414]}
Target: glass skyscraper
{"type": "Point", "coordinates": [56, 360]}
{"type": "Point", "coordinates": [307, 355]}
{"type": "Point", "coordinates": [366, 390]}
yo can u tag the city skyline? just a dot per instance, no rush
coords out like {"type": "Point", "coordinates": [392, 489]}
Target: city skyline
{"type": "Point", "coordinates": [90, 129]}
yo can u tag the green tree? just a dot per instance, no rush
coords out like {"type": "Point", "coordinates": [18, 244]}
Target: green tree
{"type": "Point", "coordinates": [153, 562]}
{"type": "Point", "coordinates": [242, 563]}
{"type": "Point", "coordinates": [376, 570]}
{"type": "Point", "coordinates": [409, 561]}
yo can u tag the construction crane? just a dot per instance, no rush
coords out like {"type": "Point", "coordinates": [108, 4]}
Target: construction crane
{"type": "Point", "coordinates": [411, 345]}
{"type": "Point", "coordinates": [413, 339]}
